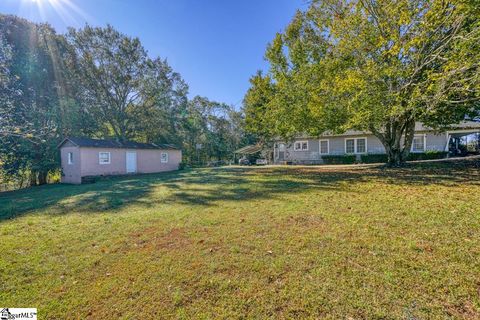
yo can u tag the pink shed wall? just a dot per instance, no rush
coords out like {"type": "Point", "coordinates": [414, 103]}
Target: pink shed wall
{"type": "Point", "coordinates": [86, 162]}
{"type": "Point", "coordinates": [71, 172]}
{"type": "Point", "coordinates": [148, 161]}
{"type": "Point", "coordinates": [91, 166]}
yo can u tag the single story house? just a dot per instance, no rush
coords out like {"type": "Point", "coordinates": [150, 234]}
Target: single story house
{"type": "Point", "coordinates": [310, 150]}
{"type": "Point", "coordinates": [85, 157]}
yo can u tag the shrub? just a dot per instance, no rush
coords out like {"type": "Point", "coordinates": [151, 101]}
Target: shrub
{"type": "Point", "coordinates": [181, 165]}
{"type": "Point", "coordinates": [374, 158]}
{"type": "Point", "coordinates": [382, 158]}
{"type": "Point", "coordinates": [427, 155]}
{"type": "Point", "coordinates": [347, 159]}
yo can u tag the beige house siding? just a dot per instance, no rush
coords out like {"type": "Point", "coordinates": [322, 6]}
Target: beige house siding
{"type": "Point", "coordinates": [86, 162]}
{"type": "Point", "coordinates": [434, 142]}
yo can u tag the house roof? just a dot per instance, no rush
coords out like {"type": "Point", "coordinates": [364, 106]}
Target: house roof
{"type": "Point", "coordinates": [419, 127]}
{"type": "Point", "coordinates": [98, 143]}
{"type": "Point", "coordinates": [463, 125]}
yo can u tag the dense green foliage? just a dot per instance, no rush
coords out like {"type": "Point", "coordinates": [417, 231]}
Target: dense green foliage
{"type": "Point", "coordinates": [212, 131]}
{"type": "Point", "coordinates": [37, 90]}
{"type": "Point", "coordinates": [372, 65]}
{"type": "Point", "coordinates": [99, 83]}
{"type": "Point", "coordinates": [126, 91]}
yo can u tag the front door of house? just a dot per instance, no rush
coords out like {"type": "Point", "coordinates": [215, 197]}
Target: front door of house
{"type": "Point", "coordinates": [281, 151]}
{"type": "Point", "coordinates": [131, 162]}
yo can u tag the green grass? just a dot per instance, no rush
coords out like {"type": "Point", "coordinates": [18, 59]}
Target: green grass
{"type": "Point", "coordinates": [285, 242]}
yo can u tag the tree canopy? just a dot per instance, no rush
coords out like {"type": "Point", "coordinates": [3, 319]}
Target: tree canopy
{"type": "Point", "coordinates": [35, 94]}
{"type": "Point", "coordinates": [372, 65]}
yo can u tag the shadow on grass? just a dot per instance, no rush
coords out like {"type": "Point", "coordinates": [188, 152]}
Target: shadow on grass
{"type": "Point", "coordinates": [205, 187]}
{"type": "Point", "coordinates": [209, 187]}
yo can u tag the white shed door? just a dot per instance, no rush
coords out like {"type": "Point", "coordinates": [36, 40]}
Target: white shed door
{"type": "Point", "coordinates": [131, 162]}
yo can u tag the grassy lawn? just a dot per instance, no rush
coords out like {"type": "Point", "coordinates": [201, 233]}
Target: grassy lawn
{"type": "Point", "coordinates": [284, 242]}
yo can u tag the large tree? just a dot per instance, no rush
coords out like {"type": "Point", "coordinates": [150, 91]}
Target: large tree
{"type": "Point", "coordinates": [373, 65]}
{"type": "Point", "coordinates": [35, 104]}
{"type": "Point", "coordinates": [7, 88]}
{"type": "Point", "coordinates": [163, 109]}
{"type": "Point", "coordinates": [130, 94]}
{"type": "Point", "coordinates": [258, 121]}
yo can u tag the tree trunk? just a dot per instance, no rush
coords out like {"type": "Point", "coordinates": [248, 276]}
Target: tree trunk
{"type": "Point", "coordinates": [20, 181]}
{"type": "Point", "coordinates": [394, 156]}
{"type": "Point", "coordinates": [409, 134]}
{"type": "Point", "coordinates": [397, 138]}
{"type": "Point", "coordinates": [42, 177]}
{"type": "Point", "coordinates": [33, 178]}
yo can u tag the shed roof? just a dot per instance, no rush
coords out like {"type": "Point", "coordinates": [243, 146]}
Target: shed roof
{"type": "Point", "coordinates": [101, 143]}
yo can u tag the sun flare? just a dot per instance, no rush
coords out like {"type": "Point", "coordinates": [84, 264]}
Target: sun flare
{"type": "Point", "coordinates": [68, 11]}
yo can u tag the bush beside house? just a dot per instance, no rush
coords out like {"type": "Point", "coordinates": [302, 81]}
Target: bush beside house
{"type": "Point", "coordinates": [428, 155]}
{"type": "Point", "coordinates": [346, 159]}
{"type": "Point", "coordinates": [374, 158]}
{"type": "Point", "coordinates": [382, 158]}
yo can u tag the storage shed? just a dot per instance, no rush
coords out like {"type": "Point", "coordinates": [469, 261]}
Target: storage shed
{"type": "Point", "coordinates": [85, 157]}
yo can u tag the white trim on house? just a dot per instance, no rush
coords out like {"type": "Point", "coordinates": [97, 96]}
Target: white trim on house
{"type": "Point", "coordinates": [424, 136]}
{"type": "Point", "coordinates": [463, 131]}
{"type": "Point", "coordinates": [70, 158]}
{"type": "Point", "coordinates": [320, 146]}
{"type": "Point", "coordinates": [164, 157]}
{"type": "Point", "coordinates": [355, 145]}
{"type": "Point", "coordinates": [301, 142]}
{"type": "Point", "coordinates": [100, 157]}
{"type": "Point", "coordinates": [447, 145]}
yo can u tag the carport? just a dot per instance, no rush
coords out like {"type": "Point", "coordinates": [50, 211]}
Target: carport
{"type": "Point", "coordinates": [247, 151]}
{"type": "Point", "coordinates": [463, 130]}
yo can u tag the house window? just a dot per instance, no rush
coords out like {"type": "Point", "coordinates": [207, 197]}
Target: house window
{"type": "Point", "coordinates": [418, 144]}
{"type": "Point", "coordinates": [356, 145]}
{"type": "Point", "coordinates": [324, 147]}
{"type": "Point", "coordinates": [164, 157]}
{"type": "Point", "coordinates": [301, 146]}
{"type": "Point", "coordinates": [70, 158]}
{"type": "Point", "coordinates": [350, 146]}
{"type": "Point", "coordinates": [104, 157]}
{"type": "Point", "coordinates": [361, 145]}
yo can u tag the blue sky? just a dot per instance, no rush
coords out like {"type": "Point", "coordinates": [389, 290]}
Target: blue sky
{"type": "Point", "coordinates": [215, 45]}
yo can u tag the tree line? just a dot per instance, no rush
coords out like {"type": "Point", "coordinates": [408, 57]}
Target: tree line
{"type": "Point", "coordinates": [370, 65]}
{"type": "Point", "coordinates": [100, 83]}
